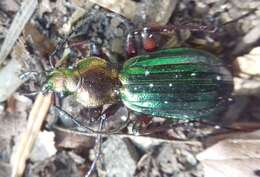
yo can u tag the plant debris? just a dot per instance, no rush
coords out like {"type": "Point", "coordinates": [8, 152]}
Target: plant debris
{"type": "Point", "coordinates": [34, 35]}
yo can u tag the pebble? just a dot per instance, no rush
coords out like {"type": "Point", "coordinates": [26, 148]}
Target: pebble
{"type": "Point", "coordinates": [119, 157]}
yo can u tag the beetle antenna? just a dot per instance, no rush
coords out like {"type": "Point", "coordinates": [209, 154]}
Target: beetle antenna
{"type": "Point", "coordinates": [66, 116]}
{"type": "Point", "coordinates": [30, 75]}
{"type": "Point", "coordinates": [240, 17]}
{"type": "Point", "coordinates": [34, 75]}
{"type": "Point", "coordinates": [59, 46]}
{"type": "Point", "coordinates": [98, 141]}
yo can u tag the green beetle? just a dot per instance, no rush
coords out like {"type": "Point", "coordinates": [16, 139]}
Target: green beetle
{"type": "Point", "coordinates": [180, 83]}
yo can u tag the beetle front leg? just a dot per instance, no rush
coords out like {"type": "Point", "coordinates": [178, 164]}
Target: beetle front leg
{"type": "Point", "coordinates": [68, 120]}
{"type": "Point", "coordinates": [147, 36]}
{"type": "Point", "coordinates": [131, 49]}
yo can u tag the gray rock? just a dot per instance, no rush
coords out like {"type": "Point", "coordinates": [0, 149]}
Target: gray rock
{"type": "Point", "coordinates": [175, 160]}
{"type": "Point", "coordinates": [60, 165]}
{"type": "Point", "coordinates": [119, 158]}
{"type": "Point", "coordinates": [5, 169]}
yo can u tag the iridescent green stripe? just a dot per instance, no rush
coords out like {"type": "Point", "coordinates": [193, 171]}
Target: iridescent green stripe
{"type": "Point", "coordinates": [176, 88]}
{"type": "Point", "coordinates": [168, 69]}
{"type": "Point", "coordinates": [172, 105]}
{"type": "Point", "coordinates": [172, 77]}
{"type": "Point", "coordinates": [178, 97]}
{"type": "Point", "coordinates": [180, 114]}
{"type": "Point", "coordinates": [172, 56]}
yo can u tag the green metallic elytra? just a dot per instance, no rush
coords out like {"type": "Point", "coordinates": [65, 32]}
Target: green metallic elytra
{"type": "Point", "coordinates": [179, 83]}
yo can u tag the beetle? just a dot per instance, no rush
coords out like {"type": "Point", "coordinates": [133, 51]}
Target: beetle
{"type": "Point", "coordinates": [176, 84]}
{"type": "Point", "coordinates": [180, 83]}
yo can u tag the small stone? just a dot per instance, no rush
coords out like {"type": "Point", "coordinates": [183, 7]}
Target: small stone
{"type": "Point", "coordinates": [5, 169]}
{"type": "Point", "coordinates": [44, 147]}
{"type": "Point", "coordinates": [249, 39]}
{"type": "Point", "coordinates": [250, 63]}
{"type": "Point", "coordinates": [119, 157]}
{"type": "Point", "coordinates": [116, 45]}
{"type": "Point", "coordinates": [145, 143]}
{"type": "Point", "coordinates": [170, 159]}
{"type": "Point", "coordinates": [146, 11]}
{"type": "Point", "coordinates": [9, 79]}
{"type": "Point", "coordinates": [246, 86]}
{"type": "Point", "coordinates": [61, 165]}
{"type": "Point", "coordinates": [167, 159]}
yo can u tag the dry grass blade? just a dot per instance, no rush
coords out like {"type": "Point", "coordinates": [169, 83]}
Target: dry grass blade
{"type": "Point", "coordinates": [123, 7]}
{"type": "Point", "coordinates": [19, 21]}
{"type": "Point", "coordinates": [10, 73]}
{"type": "Point", "coordinates": [35, 120]}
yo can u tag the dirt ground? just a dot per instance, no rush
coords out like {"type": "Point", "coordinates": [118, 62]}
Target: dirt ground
{"type": "Point", "coordinates": [35, 143]}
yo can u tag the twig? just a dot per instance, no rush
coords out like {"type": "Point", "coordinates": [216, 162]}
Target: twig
{"type": "Point", "coordinates": [17, 26]}
{"type": "Point", "coordinates": [35, 120]}
{"type": "Point", "coordinates": [122, 7]}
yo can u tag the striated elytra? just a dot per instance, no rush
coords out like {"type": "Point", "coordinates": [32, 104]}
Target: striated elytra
{"type": "Point", "coordinates": [181, 83]}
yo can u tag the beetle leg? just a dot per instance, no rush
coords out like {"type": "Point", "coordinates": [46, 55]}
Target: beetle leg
{"type": "Point", "coordinates": [98, 141]}
{"type": "Point", "coordinates": [29, 75]}
{"type": "Point", "coordinates": [131, 45]}
{"type": "Point", "coordinates": [69, 120]}
{"type": "Point", "coordinates": [95, 50]}
{"type": "Point", "coordinates": [148, 40]}
{"type": "Point", "coordinates": [60, 45]}
{"type": "Point", "coordinates": [219, 125]}
{"type": "Point", "coordinates": [142, 121]}
{"type": "Point", "coordinates": [98, 144]}
{"type": "Point", "coordinates": [32, 75]}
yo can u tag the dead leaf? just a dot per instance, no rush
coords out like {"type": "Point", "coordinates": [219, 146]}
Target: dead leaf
{"type": "Point", "coordinates": [44, 45]}
{"type": "Point", "coordinates": [9, 5]}
{"type": "Point", "coordinates": [232, 158]}
{"type": "Point", "coordinates": [231, 168]}
{"type": "Point", "coordinates": [158, 12]}
{"type": "Point", "coordinates": [10, 74]}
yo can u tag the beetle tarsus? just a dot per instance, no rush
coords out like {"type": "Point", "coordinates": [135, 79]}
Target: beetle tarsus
{"type": "Point", "coordinates": [98, 144]}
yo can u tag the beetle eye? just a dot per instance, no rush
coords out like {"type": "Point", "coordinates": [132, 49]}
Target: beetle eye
{"type": "Point", "coordinates": [46, 88]}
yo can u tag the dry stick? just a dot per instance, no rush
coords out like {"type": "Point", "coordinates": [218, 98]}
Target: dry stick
{"type": "Point", "coordinates": [130, 136]}
{"type": "Point", "coordinates": [122, 7]}
{"type": "Point", "coordinates": [35, 120]}
{"type": "Point", "coordinates": [17, 26]}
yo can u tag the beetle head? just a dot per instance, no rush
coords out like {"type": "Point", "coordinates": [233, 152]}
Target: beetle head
{"type": "Point", "coordinates": [60, 81]}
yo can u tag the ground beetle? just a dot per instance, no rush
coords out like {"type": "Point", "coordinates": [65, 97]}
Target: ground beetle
{"type": "Point", "coordinates": [180, 83]}
{"type": "Point", "coordinates": [177, 84]}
